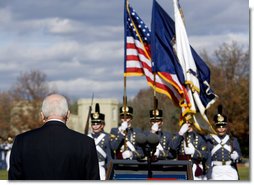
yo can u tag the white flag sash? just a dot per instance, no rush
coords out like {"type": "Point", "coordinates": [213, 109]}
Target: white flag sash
{"type": "Point", "coordinates": [221, 143]}
{"type": "Point", "coordinates": [101, 151]}
{"type": "Point", "coordinates": [130, 146]}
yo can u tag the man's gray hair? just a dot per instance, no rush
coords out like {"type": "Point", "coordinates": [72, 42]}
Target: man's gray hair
{"type": "Point", "coordinates": [54, 105]}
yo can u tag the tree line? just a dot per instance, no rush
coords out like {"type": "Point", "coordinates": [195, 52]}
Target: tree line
{"type": "Point", "coordinates": [229, 65]}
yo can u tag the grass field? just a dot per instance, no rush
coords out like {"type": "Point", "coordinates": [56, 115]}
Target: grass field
{"type": "Point", "coordinates": [243, 172]}
{"type": "Point", "coordinates": [3, 175]}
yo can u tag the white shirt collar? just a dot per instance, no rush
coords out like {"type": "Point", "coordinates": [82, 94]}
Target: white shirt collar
{"type": "Point", "coordinates": [56, 120]}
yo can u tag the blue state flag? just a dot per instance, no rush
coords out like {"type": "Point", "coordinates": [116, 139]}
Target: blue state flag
{"type": "Point", "coordinates": [165, 58]}
{"type": "Point", "coordinates": [165, 62]}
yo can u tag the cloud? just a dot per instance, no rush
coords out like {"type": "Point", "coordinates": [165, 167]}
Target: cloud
{"type": "Point", "coordinates": [8, 67]}
{"type": "Point", "coordinates": [57, 25]}
{"type": "Point", "coordinates": [210, 43]}
{"type": "Point", "coordinates": [5, 16]}
{"type": "Point", "coordinates": [99, 51]}
{"type": "Point", "coordinates": [106, 89]}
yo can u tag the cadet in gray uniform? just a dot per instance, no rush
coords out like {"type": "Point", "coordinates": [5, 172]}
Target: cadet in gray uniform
{"type": "Point", "coordinates": [8, 153]}
{"type": "Point", "coordinates": [190, 145]}
{"type": "Point", "coordinates": [102, 141]}
{"type": "Point", "coordinates": [123, 138]}
{"type": "Point", "coordinates": [163, 149]}
{"type": "Point", "coordinates": [2, 154]}
{"type": "Point", "coordinates": [225, 151]}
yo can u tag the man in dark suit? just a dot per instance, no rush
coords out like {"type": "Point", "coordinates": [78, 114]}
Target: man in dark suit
{"type": "Point", "coordinates": [53, 152]}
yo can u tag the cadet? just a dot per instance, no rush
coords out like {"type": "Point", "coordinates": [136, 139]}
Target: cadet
{"type": "Point", "coordinates": [5, 152]}
{"type": "Point", "coordinates": [123, 140]}
{"type": "Point", "coordinates": [102, 141]}
{"type": "Point", "coordinates": [224, 151]}
{"type": "Point", "coordinates": [2, 154]}
{"type": "Point", "coordinates": [8, 153]}
{"type": "Point", "coordinates": [163, 149]}
{"type": "Point", "coordinates": [190, 145]}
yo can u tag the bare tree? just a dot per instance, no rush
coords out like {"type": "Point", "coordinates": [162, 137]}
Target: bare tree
{"type": "Point", "coordinates": [31, 86]}
{"type": "Point", "coordinates": [233, 61]}
{"type": "Point", "coordinates": [28, 93]}
{"type": "Point", "coordinates": [6, 104]}
{"type": "Point", "coordinates": [233, 64]}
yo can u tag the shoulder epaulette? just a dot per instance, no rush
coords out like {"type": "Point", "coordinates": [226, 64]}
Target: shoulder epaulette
{"type": "Point", "coordinates": [112, 136]}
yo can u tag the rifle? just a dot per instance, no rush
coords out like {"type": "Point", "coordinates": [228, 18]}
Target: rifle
{"type": "Point", "coordinates": [88, 117]}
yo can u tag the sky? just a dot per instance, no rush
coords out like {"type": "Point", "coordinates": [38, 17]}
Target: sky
{"type": "Point", "coordinates": [79, 44]}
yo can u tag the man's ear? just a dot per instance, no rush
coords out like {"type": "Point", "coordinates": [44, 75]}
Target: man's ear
{"type": "Point", "coordinates": [42, 117]}
{"type": "Point", "coordinates": [68, 115]}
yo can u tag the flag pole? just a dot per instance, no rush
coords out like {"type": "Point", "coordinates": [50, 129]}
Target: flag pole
{"type": "Point", "coordinates": [155, 102]}
{"type": "Point", "coordinates": [124, 98]}
{"type": "Point", "coordinates": [125, 78]}
{"type": "Point", "coordinates": [126, 2]}
{"type": "Point", "coordinates": [124, 112]}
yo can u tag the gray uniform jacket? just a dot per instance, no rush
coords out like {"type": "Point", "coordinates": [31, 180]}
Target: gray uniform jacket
{"type": "Point", "coordinates": [220, 149]}
{"type": "Point", "coordinates": [118, 142]}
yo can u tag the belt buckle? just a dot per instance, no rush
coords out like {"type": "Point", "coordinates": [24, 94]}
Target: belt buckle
{"type": "Point", "coordinates": [223, 163]}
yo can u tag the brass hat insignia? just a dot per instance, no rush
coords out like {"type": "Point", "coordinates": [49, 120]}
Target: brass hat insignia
{"type": "Point", "coordinates": [156, 112]}
{"type": "Point", "coordinates": [220, 118]}
{"type": "Point", "coordinates": [126, 108]}
{"type": "Point", "coordinates": [96, 115]}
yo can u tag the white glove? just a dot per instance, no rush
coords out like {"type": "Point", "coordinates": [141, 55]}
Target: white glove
{"type": "Point", "coordinates": [190, 150]}
{"type": "Point", "coordinates": [155, 127]}
{"type": "Point", "coordinates": [127, 154]}
{"type": "Point", "coordinates": [123, 127]}
{"type": "Point", "coordinates": [234, 156]}
{"type": "Point", "coordinates": [184, 128]}
{"type": "Point", "coordinates": [157, 152]}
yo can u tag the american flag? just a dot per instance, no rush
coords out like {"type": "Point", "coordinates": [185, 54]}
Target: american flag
{"type": "Point", "coordinates": [138, 57]}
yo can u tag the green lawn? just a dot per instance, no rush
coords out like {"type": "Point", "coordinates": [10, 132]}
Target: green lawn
{"type": "Point", "coordinates": [243, 171]}
{"type": "Point", "coordinates": [3, 175]}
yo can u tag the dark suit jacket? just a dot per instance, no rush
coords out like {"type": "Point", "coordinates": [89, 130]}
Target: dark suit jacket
{"type": "Point", "coordinates": [53, 152]}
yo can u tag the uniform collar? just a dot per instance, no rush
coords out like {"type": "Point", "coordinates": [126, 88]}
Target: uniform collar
{"type": "Point", "coordinates": [222, 136]}
{"type": "Point", "coordinates": [95, 135]}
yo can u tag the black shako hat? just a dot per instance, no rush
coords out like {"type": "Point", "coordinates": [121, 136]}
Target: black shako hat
{"type": "Point", "coordinates": [156, 114]}
{"type": "Point", "coordinates": [128, 111]}
{"type": "Point", "coordinates": [219, 118]}
{"type": "Point", "coordinates": [97, 117]}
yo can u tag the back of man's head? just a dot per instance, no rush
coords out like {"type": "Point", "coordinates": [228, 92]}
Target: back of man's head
{"type": "Point", "coordinates": [54, 105]}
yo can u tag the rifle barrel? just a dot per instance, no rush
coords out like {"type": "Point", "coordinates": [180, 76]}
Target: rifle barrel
{"type": "Point", "coordinates": [87, 121]}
